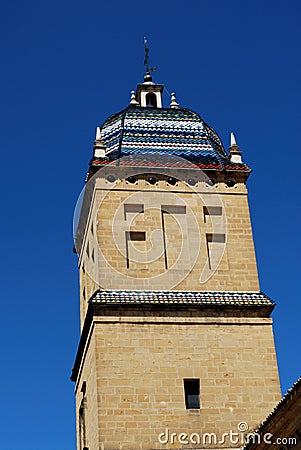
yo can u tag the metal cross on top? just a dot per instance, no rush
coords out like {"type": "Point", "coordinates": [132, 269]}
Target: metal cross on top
{"type": "Point", "coordinates": [146, 58]}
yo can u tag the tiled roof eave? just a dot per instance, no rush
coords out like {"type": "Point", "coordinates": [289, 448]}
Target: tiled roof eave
{"type": "Point", "coordinates": [208, 167]}
{"type": "Point", "coordinates": [245, 301]}
{"type": "Point", "coordinates": [179, 298]}
{"type": "Point", "coordinates": [197, 167]}
{"type": "Point", "coordinates": [237, 307]}
{"type": "Point", "coordinates": [238, 168]}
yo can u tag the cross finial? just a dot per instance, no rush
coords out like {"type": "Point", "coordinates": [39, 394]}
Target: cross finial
{"type": "Point", "coordinates": [148, 70]}
{"type": "Point", "coordinates": [146, 55]}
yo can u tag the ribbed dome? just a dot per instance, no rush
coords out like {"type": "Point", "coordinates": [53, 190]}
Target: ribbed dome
{"type": "Point", "coordinates": [163, 131]}
{"type": "Point", "coordinates": [179, 132]}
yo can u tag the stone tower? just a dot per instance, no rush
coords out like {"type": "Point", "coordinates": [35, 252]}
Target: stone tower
{"type": "Point", "coordinates": [176, 347]}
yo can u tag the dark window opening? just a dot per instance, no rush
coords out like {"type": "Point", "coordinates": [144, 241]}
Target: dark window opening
{"type": "Point", "coordinates": [135, 235]}
{"type": "Point", "coordinates": [132, 209]}
{"type": "Point", "coordinates": [213, 256]}
{"type": "Point", "coordinates": [132, 236]}
{"type": "Point", "coordinates": [212, 211]}
{"type": "Point", "coordinates": [82, 419]}
{"type": "Point", "coordinates": [192, 393]}
{"type": "Point", "coordinates": [151, 100]}
{"type": "Point", "coordinates": [82, 425]}
{"type": "Point", "coordinates": [172, 210]}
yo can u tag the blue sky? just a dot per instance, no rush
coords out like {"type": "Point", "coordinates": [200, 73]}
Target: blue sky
{"type": "Point", "coordinates": [66, 66]}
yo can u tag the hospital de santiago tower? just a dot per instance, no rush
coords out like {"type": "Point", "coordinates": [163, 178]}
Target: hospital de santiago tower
{"type": "Point", "coordinates": [176, 335]}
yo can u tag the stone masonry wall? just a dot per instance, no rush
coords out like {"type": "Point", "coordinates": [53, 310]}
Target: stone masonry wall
{"type": "Point", "coordinates": [115, 258]}
{"type": "Point", "coordinates": [140, 367]}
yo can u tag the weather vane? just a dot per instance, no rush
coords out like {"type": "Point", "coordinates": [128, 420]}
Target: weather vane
{"type": "Point", "coordinates": [146, 58]}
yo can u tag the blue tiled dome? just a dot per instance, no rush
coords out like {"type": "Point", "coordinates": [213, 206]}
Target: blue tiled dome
{"type": "Point", "coordinates": [163, 131]}
{"type": "Point", "coordinates": [179, 132]}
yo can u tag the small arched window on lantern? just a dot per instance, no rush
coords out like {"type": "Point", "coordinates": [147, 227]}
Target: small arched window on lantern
{"type": "Point", "coordinates": [151, 100]}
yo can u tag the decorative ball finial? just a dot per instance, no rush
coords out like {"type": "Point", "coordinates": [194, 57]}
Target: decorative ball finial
{"type": "Point", "coordinates": [147, 77]}
{"type": "Point", "coordinates": [173, 103]}
{"type": "Point", "coordinates": [133, 99]}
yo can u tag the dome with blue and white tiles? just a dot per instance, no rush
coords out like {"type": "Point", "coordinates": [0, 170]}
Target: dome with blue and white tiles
{"type": "Point", "coordinates": [148, 129]}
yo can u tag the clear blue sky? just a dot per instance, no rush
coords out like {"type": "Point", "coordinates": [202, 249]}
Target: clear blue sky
{"type": "Point", "coordinates": [66, 66]}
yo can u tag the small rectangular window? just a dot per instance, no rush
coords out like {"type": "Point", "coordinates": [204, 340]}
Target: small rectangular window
{"type": "Point", "coordinates": [173, 209]}
{"type": "Point", "coordinates": [192, 393]}
{"type": "Point", "coordinates": [130, 208]}
{"type": "Point", "coordinates": [217, 238]}
{"type": "Point", "coordinates": [216, 251]}
{"type": "Point", "coordinates": [82, 424]}
{"type": "Point", "coordinates": [174, 230]}
{"type": "Point", "coordinates": [212, 211]}
{"type": "Point", "coordinates": [133, 236]}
